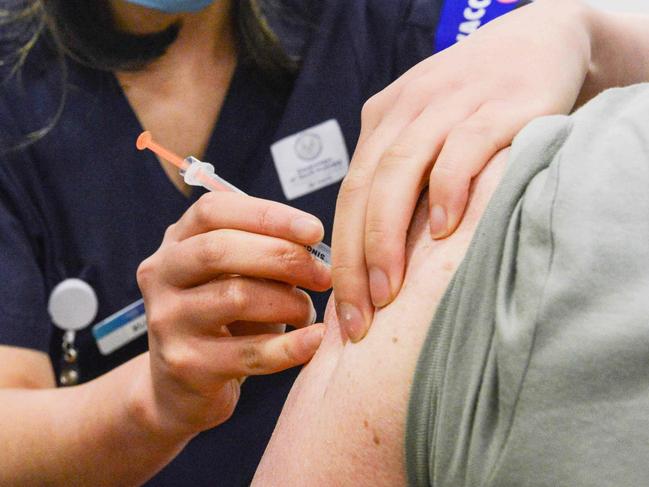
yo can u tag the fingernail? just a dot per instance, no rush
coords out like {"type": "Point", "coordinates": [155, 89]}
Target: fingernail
{"type": "Point", "coordinates": [307, 229]}
{"type": "Point", "coordinates": [438, 221]}
{"type": "Point", "coordinates": [314, 336]}
{"type": "Point", "coordinates": [351, 320]}
{"type": "Point", "coordinates": [379, 287]}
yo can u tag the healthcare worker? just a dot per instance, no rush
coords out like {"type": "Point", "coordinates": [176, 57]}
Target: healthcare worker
{"type": "Point", "coordinates": [273, 101]}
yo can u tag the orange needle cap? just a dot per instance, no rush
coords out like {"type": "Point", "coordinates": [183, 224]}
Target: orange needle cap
{"type": "Point", "coordinates": [145, 141]}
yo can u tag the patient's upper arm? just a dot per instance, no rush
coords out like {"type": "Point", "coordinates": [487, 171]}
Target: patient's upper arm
{"type": "Point", "coordinates": [344, 421]}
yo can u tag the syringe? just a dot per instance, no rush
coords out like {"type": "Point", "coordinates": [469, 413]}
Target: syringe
{"type": "Point", "coordinates": [199, 173]}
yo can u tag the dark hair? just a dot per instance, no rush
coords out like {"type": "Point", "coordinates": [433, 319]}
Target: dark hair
{"type": "Point", "coordinates": [22, 23]}
{"type": "Point", "coordinates": [84, 30]}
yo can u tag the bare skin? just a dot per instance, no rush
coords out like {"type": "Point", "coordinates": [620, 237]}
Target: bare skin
{"type": "Point", "coordinates": [189, 380]}
{"type": "Point", "coordinates": [178, 97]}
{"type": "Point", "coordinates": [141, 416]}
{"type": "Point", "coordinates": [346, 412]}
{"type": "Point", "coordinates": [446, 117]}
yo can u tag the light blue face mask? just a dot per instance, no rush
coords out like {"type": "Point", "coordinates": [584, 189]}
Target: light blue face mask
{"type": "Point", "coordinates": [173, 6]}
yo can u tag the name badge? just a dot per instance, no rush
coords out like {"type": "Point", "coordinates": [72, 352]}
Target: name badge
{"type": "Point", "coordinates": [311, 159]}
{"type": "Point", "coordinates": [120, 328]}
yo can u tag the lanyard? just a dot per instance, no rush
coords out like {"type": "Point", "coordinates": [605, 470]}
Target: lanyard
{"type": "Point", "coordinates": [459, 18]}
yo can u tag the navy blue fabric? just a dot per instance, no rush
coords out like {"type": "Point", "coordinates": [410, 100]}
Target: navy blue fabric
{"type": "Point", "coordinates": [82, 202]}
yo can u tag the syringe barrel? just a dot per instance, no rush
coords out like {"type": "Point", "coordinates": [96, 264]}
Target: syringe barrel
{"type": "Point", "coordinates": [199, 173]}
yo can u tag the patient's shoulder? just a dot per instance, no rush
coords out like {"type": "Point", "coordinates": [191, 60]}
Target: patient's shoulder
{"type": "Point", "coordinates": [344, 420]}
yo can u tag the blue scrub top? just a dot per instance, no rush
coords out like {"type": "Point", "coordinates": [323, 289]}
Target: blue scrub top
{"type": "Point", "coordinates": [83, 202]}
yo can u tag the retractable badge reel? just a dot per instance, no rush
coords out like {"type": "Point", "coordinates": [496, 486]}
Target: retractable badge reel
{"type": "Point", "coordinates": [72, 307]}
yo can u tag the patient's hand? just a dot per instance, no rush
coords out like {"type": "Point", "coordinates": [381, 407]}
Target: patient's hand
{"type": "Point", "coordinates": [344, 420]}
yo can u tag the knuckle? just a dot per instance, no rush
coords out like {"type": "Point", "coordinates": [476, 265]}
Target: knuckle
{"type": "Point", "coordinates": [154, 320]}
{"type": "Point", "coordinates": [288, 352]}
{"type": "Point", "coordinates": [471, 130]}
{"type": "Point", "coordinates": [376, 235]}
{"type": "Point", "coordinates": [408, 92]}
{"type": "Point", "coordinates": [251, 357]}
{"type": "Point", "coordinates": [204, 209]}
{"type": "Point", "coordinates": [237, 295]}
{"type": "Point", "coordinates": [170, 231]}
{"type": "Point", "coordinates": [179, 362]}
{"type": "Point", "coordinates": [145, 273]}
{"type": "Point", "coordinates": [419, 93]}
{"type": "Point", "coordinates": [396, 156]}
{"type": "Point", "coordinates": [266, 218]}
{"type": "Point", "coordinates": [415, 91]}
{"type": "Point", "coordinates": [289, 257]}
{"type": "Point", "coordinates": [227, 402]}
{"type": "Point", "coordinates": [498, 105]}
{"type": "Point", "coordinates": [158, 314]}
{"type": "Point", "coordinates": [451, 84]}
{"type": "Point", "coordinates": [354, 183]}
{"type": "Point", "coordinates": [211, 249]}
{"type": "Point", "coordinates": [371, 109]}
{"type": "Point", "coordinates": [445, 168]}
{"type": "Point", "coordinates": [446, 174]}
{"type": "Point", "coordinates": [342, 271]}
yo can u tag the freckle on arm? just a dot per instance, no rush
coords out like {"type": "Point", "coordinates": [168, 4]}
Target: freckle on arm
{"type": "Point", "coordinates": [376, 439]}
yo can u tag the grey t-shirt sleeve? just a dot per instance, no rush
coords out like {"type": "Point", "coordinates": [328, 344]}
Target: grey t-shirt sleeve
{"type": "Point", "coordinates": [535, 370]}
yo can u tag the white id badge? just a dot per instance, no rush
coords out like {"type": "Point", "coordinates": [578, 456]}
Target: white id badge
{"type": "Point", "coordinates": [311, 159]}
{"type": "Point", "coordinates": [120, 328]}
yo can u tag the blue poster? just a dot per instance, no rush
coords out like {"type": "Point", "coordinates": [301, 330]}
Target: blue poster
{"type": "Point", "coordinates": [459, 18]}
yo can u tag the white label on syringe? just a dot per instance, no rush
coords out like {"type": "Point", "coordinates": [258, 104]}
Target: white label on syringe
{"type": "Point", "coordinates": [321, 251]}
{"type": "Point", "coordinates": [310, 160]}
